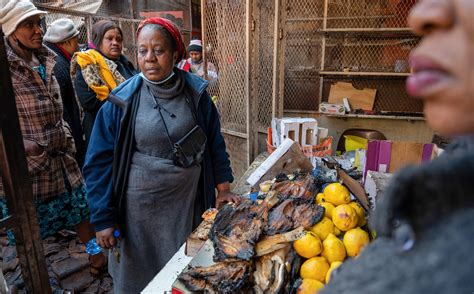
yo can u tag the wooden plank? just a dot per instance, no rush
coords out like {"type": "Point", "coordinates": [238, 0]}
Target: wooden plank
{"type": "Point", "coordinates": [276, 64]}
{"type": "Point", "coordinates": [361, 73]}
{"type": "Point", "coordinates": [17, 187]}
{"type": "Point", "coordinates": [288, 158]}
{"type": "Point", "coordinates": [250, 111]}
{"type": "Point", "coordinates": [358, 99]}
{"type": "Point", "coordinates": [323, 52]}
{"type": "Point", "coordinates": [204, 35]}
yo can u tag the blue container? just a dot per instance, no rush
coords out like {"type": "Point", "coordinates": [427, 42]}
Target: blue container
{"type": "Point", "coordinates": [92, 248]}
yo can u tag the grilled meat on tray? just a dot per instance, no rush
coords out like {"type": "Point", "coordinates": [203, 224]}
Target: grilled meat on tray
{"type": "Point", "coordinates": [223, 277]}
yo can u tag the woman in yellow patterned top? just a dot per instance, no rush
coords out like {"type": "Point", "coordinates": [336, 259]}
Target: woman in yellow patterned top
{"type": "Point", "coordinates": [99, 70]}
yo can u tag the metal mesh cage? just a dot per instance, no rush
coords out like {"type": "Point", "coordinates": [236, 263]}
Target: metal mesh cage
{"type": "Point", "coordinates": [107, 8]}
{"type": "Point", "coordinates": [391, 95]}
{"type": "Point", "coordinates": [368, 53]}
{"type": "Point", "coordinates": [368, 13]}
{"type": "Point", "coordinates": [262, 66]}
{"type": "Point", "coordinates": [85, 21]}
{"type": "Point", "coordinates": [225, 47]}
{"type": "Point", "coordinates": [302, 54]}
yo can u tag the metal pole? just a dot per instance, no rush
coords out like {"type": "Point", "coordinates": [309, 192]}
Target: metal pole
{"type": "Point", "coordinates": [203, 35]}
{"type": "Point", "coordinates": [251, 129]}
{"type": "Point", "coordinates": [17, 186]}
{"type": "Point", "coordinates": [276, 57]}
{"type": "Point", "coordinates": [323, 50]}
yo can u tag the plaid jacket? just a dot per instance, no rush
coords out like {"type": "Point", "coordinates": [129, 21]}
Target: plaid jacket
{"type": "Point", "coordinates": [40, 112]}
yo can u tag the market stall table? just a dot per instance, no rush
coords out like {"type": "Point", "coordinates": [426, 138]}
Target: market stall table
{"type": "Point", "coordinates": [163, 281]}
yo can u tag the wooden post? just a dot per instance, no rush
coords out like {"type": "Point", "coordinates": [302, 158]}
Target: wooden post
{"type": "Point", "coordinates": [276, 100]}
{"type": "Point", "coordinates": [323, 50]}
{"type": "Point", "coordinates": [280, 34]}
{"type": "Point", "coordinates": [89, 28]}
{"type": "Point", "coordinates": [17, 187]}
{"type": "Point", "coordinates": [203, 35]}
{"type": "Point", "coordinates": [251, 112]}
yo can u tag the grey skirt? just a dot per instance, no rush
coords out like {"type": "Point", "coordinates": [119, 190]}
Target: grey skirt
{"type": "Point", "coordinates": [159, 217]}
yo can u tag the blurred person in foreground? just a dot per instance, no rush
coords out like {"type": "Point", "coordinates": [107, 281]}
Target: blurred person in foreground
{"type": "Point", "coordinates": [136, 176]}
{"type": "Point", "coordinates": [56, 179]}
{"type": "Point", "coordinates": [99, 70]}
{"type": "Point", "coordinates": [425, 219]}
{"type": "Point", "coordinates": [62, 38]}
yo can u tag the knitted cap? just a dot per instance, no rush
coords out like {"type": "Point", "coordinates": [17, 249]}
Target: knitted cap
{"type": "Point", "coordinates": [195, 45]}
{"type": "Point", "coordinates": [13, 12]}
{"type": "Point", "coordinates": [60, 30]}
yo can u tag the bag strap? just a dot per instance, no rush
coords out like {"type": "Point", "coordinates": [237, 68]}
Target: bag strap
{"type": "Point", "coordinates": [158, 105]}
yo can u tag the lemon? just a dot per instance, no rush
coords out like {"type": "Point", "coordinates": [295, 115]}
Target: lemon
{"type": "Point", "coordinates": [320, 198]}
{"type": "Point", "coordinates": [308, 246]}
{"type": "Point", "coordinates": [355, 240]}
{"type": "Point", "coordinates": [328, 208]}
{"type": "Point", "coordinates": [333, 249]}
{"type": "Point", "coordinates": [309, 286]}
{"type": "Point", "coordinates": [333, 266]}
{"type": "Point", "coordinates": [323, 228]}
{"type": "Point", "coordinates": [337, 232]}
{"type": "Point", "coordinates": [314, 268]}
{"type": "Point", "coordinates": [360, 213]}
{"type": "Point", "coordinates": [344, 217]}
{"type": "Point", "coordinates": [337, 194]}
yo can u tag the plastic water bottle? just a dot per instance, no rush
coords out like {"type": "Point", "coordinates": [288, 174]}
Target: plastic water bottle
{"type": "Point", "coordinates": [92, 248]}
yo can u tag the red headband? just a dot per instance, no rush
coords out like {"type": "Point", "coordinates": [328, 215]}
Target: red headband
{"type": "Point", "coordinates": [171, 28]}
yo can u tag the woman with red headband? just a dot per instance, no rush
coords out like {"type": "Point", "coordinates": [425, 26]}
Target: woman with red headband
{"type": "Point", "coordinates": [155, 158]}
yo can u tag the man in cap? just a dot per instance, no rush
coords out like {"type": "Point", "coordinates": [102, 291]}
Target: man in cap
{"type": "Point", "coordinates": [62, 38]}
{"type": "Point", "coordinates": [197, 63]}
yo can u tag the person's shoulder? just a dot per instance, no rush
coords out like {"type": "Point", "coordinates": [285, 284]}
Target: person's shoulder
{"type": "Point", "coordinates": [128, 88]}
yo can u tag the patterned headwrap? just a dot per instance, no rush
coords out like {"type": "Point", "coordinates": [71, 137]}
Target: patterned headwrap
{"type": "Point", "coordinates": [171, 28]}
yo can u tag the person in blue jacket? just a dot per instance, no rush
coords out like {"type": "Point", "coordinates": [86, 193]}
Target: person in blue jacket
{"type": "Point", "coordinates": [137, 180]}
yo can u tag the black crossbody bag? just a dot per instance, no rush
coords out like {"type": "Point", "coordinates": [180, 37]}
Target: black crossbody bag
{"type": "Point", "coordinates": [189, 150]}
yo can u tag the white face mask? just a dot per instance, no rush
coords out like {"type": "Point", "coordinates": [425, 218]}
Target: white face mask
{"type": "Point", "coordinates": [160, 82]}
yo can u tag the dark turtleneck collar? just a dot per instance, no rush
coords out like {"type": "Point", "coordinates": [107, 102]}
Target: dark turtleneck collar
{"type": "Point", "coordinates": [174, 87]}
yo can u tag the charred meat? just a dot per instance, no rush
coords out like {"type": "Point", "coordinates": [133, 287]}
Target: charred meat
{"type": "Point", "coordinates": [303, 188]}
{"type": "Point", "coordinates": [236, 229]}
{"type": "Point", "coordinates": [222, 277]}
{"type": "Point", "coordinates": [291, 214]}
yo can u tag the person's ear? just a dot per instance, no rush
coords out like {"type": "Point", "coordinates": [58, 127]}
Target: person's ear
{"type": "Point", "coordinates": [175, 56]}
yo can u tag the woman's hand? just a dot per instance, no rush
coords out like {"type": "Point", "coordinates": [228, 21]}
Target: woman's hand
{"type": "Point", "coordinates": [105, 238]}
{"type": "Point", "coordinates": [32, 148]}
{"type": "Point", "coordinates": [224, 195]}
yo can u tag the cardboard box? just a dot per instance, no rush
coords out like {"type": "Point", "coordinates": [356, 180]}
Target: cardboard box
{"type": "Point", "coordinates": [390, 156]}
{"type": "Point", "coordinates": [331, 108]}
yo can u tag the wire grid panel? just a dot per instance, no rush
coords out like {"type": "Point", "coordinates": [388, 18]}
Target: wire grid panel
{"type": "Point", "coordinates": [104, 7]}
{"type": "Point", "coordinates": [302, 54]}
{"type": "Point", "coordinates": [85, 21]}
{"type": "Point", "coordinates": [365, 53]}
{"type": "Point", "coordinates": [368, 13]}
{"type": "Point", "coordinates": [225, 45]}
{"type": "Point", "coordinates": [129, 29]}
{"type": "Point", "coordinates": [79, 22]}
{"type": "Point", "coordinates": [262, 66]}
{"type": "Point", "coordinates": [391, 94]}
{"type": "Point", "coordinates": [304, 10]}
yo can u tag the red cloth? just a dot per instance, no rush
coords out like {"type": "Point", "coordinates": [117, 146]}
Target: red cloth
{"type": "Point", "coordinates": [171, 28]}
{"type": "Point", "coordinates": [64, 52]}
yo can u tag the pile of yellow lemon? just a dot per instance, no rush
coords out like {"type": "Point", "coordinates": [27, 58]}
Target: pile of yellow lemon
{"type": "Point", "coordinates": [327, 244]}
